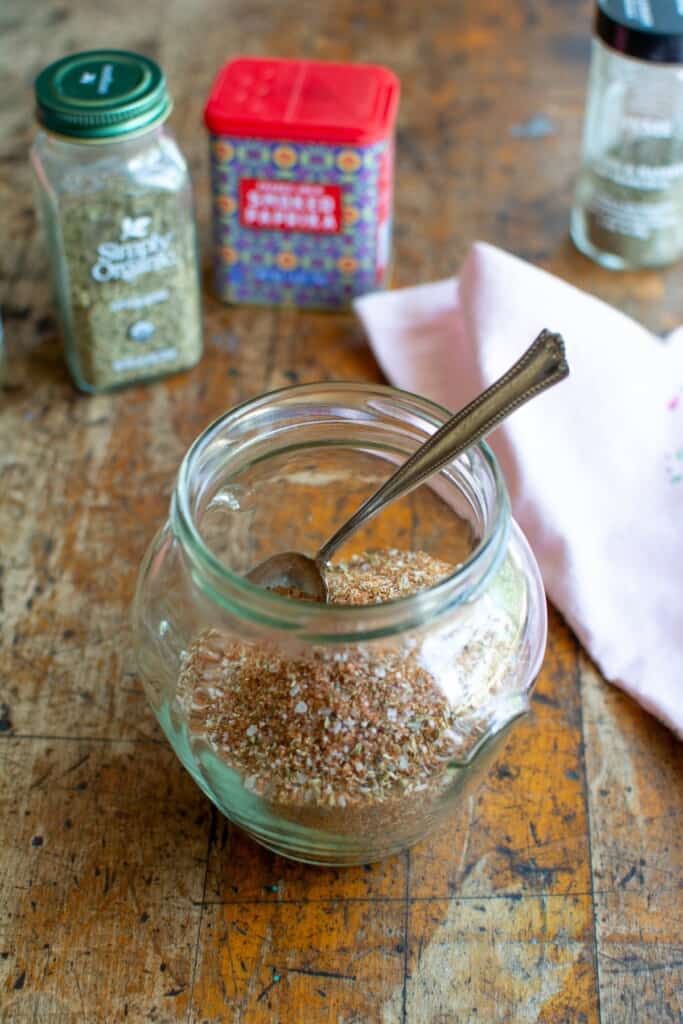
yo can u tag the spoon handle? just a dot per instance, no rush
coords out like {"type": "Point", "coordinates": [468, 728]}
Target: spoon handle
{"type": "Point", "coordinates": [541, 366]}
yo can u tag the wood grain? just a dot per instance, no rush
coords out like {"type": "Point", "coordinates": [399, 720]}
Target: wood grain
{"type": "Point", "coordinates": [103, 867]}
{"type": "Point", "coordinates": [555, 893]}
{"type": "Point", "coordinates": [634, 769]}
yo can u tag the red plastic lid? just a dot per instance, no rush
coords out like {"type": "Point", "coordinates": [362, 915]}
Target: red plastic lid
{"type": "Point", "coordinates": [303, 100]}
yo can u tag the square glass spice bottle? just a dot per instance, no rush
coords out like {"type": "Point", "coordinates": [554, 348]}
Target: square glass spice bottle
{"type": "Point", "coordinates": [115, 198]}
{"type": "Point", "coordinates": [302, 178]}
{"type": "Point", "coordinates": [628, 206]}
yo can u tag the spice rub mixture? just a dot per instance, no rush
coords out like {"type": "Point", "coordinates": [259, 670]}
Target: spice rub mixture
{"type": "Point", "coordinates": [344, 727]}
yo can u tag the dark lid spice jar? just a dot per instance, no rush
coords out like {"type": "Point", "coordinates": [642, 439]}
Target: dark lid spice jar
{"type": "Point", "coordinates": [302, 175]}
{"type": "Point", "coordinates": [115, 197]}
{"type": "Point", "coordinates": [628, 207]}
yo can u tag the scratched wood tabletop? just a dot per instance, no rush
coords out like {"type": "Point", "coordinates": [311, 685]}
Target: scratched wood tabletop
{"type": "Point", "coordinates": [556, 895]}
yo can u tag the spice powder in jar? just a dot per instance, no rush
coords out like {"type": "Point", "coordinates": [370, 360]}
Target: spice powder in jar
{"type": "Point", "coordinates": [115, 197]}
{"type": "Point", "coordinates": [302, 178]}
{"type": "Point", "coordinates": [348, 739]}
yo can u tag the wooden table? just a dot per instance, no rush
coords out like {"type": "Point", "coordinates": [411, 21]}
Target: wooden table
{"type": "Point", "coordinates": [557, 895]}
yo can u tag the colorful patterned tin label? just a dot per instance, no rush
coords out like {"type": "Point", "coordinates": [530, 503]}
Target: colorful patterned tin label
{"type": "Point", "coordinates": [300, 224]}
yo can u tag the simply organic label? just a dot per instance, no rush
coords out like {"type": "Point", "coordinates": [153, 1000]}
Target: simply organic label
{"type": "Point", "coordinates": [136, 252]}
{"type": "Point", "coordinates": [290, 206]}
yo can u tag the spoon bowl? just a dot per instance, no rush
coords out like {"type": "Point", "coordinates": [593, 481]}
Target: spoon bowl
{"type": "Point", "coordinates": [292, 574]}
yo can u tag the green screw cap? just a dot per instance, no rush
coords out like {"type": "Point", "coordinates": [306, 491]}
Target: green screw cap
{"type": "Point", "coordinates": [101, 95]}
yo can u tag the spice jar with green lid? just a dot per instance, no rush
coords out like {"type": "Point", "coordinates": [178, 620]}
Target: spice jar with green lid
{"type": "Point", "coordinates": [628, 207]}
{"type": "Point", "coordinates": [115, 197]}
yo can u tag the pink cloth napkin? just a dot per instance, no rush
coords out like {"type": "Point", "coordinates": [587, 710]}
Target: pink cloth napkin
{"type": "Point", "coordinates": [594, 466]}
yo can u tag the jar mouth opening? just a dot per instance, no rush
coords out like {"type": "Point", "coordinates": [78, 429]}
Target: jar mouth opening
{"type": "Point", "coordinates": [240, 596]}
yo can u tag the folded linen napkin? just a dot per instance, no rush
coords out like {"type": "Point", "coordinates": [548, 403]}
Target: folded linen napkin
{"type": "Point", "coordinates": [594, 466]}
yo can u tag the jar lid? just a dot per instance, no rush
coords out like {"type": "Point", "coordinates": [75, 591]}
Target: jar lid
{"type": "Point", "coordinates": [649, 30]}
{"type": "Point", "coordinates": [101, 95]}
{"type": "Point", "coordinates": [303, 100]}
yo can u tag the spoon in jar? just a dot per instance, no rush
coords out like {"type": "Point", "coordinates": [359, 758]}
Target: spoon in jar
{"type": "Point", "coordinates": [541, 366]}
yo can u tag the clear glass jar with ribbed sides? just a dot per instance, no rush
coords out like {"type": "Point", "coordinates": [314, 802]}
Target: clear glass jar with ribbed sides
{"type": "Point", "coordinates": [114, 195]}
{"type": "Point", "coordinates": [337, 733]}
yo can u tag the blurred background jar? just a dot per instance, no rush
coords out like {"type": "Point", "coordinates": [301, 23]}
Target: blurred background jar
{"type": "Point", "coordinates": [114, 195]}
{"type": "Point", "coordinates": [628, 206]}
{"type": "Point", "coordinates": [336, 733]}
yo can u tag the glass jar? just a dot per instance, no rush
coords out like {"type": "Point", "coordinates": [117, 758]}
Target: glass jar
{"type": "Point", "coordinates": [335, 733]}
{"type": "Point", "coordinates": [628, 205]}
{"type": "Point", "coordinates": [114, 195]}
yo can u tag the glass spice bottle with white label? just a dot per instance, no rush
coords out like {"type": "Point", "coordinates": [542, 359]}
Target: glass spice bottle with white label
{"type": "Point", "coordinates": [628, 206]}
{"type": "Point", "coordinates": [115, 198]}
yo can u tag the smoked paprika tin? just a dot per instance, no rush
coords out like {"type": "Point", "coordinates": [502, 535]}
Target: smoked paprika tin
{"type": "Point", "coordinates": [302, 180]}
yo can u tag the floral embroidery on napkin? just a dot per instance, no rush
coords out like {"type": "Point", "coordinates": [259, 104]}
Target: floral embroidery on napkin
{"type": "Point", "coordinates": [673, 460]}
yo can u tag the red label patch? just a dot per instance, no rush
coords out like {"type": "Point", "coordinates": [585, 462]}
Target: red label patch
{"type": "Point", "coordinates": [290, 206]}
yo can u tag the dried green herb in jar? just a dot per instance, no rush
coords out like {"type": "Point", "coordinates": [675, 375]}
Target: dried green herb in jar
{"type": "Point", "coordinates": [632, 201]}
{"type": "Point", "coordinates": [132, 273]}
{"type": "Point", "coordinates": [116, 199]}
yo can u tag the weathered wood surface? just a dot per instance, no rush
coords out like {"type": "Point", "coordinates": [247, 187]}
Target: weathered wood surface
{"type": "Point", "coordinates": [556, 895]}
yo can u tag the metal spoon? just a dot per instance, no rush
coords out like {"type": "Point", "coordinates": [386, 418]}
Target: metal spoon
{"type": "Point", "coordinates": [541, 366]}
